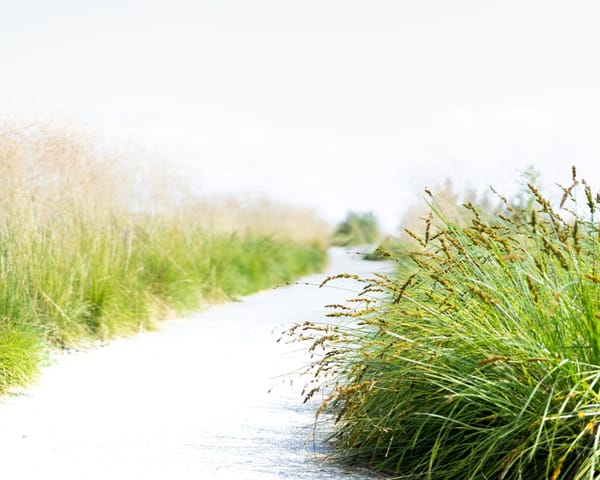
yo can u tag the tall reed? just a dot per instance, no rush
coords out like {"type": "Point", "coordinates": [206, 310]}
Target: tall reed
{"type": "Point", "coordinates": [482, 360]}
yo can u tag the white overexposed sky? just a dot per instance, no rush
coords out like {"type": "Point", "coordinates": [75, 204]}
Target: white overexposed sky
{"type": "Point", "coordinates": [332, 104]}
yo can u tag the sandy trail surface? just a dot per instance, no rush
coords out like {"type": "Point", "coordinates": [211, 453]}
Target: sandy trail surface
{"type": "Point", "coordinates": [205, 397]}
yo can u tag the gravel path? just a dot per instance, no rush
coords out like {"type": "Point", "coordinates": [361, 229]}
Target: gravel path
{"type": "Point", "coordinates": [190, 401]}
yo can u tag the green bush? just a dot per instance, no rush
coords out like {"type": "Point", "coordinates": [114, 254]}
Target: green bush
{"type": "Point", "coordinates": [356, 229]}
{"type": "Point", "coordinates": [482, 358]}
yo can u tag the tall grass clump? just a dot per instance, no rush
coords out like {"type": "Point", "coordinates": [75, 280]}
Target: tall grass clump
{"type": "Point", "coordinates": [481, 359]}
{"type": "Point", "coordinates": [90, 248]}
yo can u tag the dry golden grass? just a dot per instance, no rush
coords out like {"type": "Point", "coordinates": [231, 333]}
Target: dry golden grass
{"type": "Point", "coordinates": [261, 216]}
{"type": "Point", "coordinates": [45, 169]}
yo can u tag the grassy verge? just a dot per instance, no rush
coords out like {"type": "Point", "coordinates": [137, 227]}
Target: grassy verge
{"type": "Point", "coordinates": [86, 252]}
{"type": "Point", "coordinates": [483, 358]}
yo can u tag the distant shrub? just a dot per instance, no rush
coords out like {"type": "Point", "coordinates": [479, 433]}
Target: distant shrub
{"type": "Point", "coordinates": [356, 229]}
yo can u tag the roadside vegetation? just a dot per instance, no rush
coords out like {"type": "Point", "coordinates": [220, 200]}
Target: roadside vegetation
{"type": "Point", "coordinates": [91, 247]}
{"type": "Point", "coordinates": [481, 357]}
{"type": "Point", "coordinates": [356, 229]}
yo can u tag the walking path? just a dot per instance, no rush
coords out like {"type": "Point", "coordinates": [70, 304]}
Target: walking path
{"type": "Point", "coordinates": [190, 401]}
